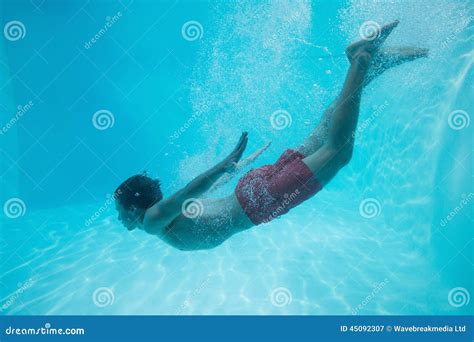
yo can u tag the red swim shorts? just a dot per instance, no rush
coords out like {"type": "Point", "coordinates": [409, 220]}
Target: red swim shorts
{"type": "Point", "coordinates": [272, 190]}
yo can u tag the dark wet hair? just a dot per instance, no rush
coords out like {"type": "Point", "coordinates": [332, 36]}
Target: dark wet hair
{"type": "Point", "coordinates": [140, 191]}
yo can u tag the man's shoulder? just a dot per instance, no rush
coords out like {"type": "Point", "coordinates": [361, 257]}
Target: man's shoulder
{"type": "Point", "coordinates": [153, 221]}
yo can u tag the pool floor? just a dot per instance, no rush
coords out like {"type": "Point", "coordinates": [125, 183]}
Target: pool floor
{"type": "Point", "coordinates": [341, 263]}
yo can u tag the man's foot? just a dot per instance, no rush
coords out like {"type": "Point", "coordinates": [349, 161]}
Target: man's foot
{"type": "Point", "coordinates": [364, 50]}
{"type": "Point", "coordinates": [387, 58]}
{"type": "Point", "coordinates": [368, 54]}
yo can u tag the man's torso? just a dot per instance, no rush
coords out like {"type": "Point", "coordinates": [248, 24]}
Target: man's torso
{"type": "Point", "coordinates": [217, 220]}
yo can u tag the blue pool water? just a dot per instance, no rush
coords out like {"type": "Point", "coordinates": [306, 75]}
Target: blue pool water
{"type": "Point", "coordinates": [174, 83]}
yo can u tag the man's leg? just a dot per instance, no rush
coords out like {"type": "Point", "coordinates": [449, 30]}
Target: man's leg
{"type": "Point", "coordinates": [319, 135]}
{"type": "Point", "coordinates": [384, 60]}
{"type": "Point", "coordinates": [337, 150]}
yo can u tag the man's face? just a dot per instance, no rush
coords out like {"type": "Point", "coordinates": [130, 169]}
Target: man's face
{"type": "Point", "coordinates": [130, 218]}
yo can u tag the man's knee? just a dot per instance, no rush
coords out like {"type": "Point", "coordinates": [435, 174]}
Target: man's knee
{"type": "Point", "coordinates": [343, 155]}
{"type": "Point", "coordinates": [346, 155]}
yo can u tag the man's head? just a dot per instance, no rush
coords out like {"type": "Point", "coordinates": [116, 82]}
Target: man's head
{"type": "Point", "coordinates": [134, 197]}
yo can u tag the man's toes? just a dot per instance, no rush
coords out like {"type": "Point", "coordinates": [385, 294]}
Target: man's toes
{"type": "Point", "coordinates": [385, 32]}
{"type": "Point", "coordinates": [423, 52]}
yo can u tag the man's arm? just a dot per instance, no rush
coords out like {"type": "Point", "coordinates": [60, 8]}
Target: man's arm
{"type": "Point", "coordinates": [161, 214]}
{"type": "Point", "coordinates": [227, 177]}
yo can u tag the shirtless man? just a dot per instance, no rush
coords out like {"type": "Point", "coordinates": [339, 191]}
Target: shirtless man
{"type": "Point", "coordinates": [188, 221]}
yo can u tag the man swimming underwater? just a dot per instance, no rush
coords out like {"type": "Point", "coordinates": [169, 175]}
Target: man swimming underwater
{"type": "Point", "coordinates": [188, 221]}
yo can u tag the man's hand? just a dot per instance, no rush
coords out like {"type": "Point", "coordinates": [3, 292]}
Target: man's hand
{"type": "Point", "coordinates": [161, 214]}
{"type": "Point", "coordinates": [229, 163]}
